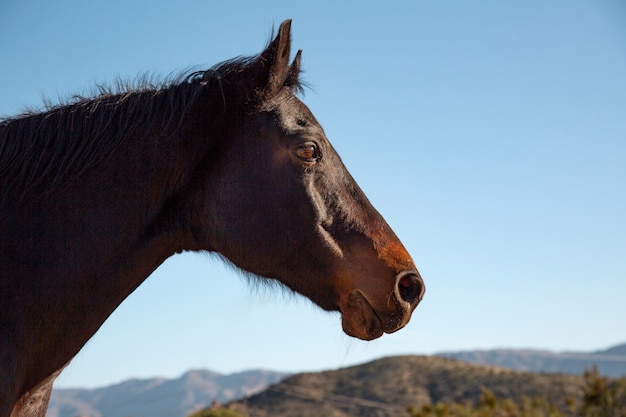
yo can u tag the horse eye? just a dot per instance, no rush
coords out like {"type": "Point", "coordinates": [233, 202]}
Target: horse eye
{"type": "Point", "coordinates": [308, 152]}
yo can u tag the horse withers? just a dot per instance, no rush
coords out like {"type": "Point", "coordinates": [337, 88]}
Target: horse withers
{"type": "Point", "coordinates": [97, 193]}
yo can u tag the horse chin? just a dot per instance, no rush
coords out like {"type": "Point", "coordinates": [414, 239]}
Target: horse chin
{"type": "Point", "coordinates": [359, 319]}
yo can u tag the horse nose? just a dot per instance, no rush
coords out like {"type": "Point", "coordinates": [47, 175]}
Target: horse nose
{"type": "Point", "coordinates": [410, 288]}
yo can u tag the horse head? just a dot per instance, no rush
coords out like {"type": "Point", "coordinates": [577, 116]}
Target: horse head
{"type": "Point", "coordinates": [278, 202]}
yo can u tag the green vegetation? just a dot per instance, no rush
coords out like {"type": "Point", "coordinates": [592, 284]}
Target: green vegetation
{"type": "Point", "coordinates": [488, 406]}
{"type": "Point", "coordinates": [601, 397]}
{"type": "Point", "coordinates": [217, 412]}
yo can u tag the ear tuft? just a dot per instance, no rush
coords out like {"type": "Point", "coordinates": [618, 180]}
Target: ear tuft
{"type": "Point", "coordinates": [275, 59]}
{"type": "Point", "coordinates": [293, 74]}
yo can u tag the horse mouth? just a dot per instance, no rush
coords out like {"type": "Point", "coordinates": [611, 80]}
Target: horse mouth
{"type": "Point", "coordinates": [360, 320]}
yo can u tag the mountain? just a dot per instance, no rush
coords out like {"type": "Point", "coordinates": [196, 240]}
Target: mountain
{"type": "Point", "coordinates": [610, 362]}
{"type": "Point", "coordinates": [387, 387]}
{"type": "Point", "coordinates": [159, 397]}
{"type": "Point", "coordinates": [615, 350]}
{"type": "Point", "coordinates": [380, 388]}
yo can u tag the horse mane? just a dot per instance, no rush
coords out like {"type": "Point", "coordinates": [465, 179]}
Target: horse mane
{"type": "Point", "coordinates": [41, 150]}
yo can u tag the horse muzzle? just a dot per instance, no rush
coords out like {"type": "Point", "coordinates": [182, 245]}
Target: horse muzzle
{"type": "Point", "coordinates": [361, 319]}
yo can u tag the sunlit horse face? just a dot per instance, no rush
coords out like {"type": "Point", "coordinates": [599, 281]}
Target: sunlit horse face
{"type": "Point", "coordinates": [282, 205]}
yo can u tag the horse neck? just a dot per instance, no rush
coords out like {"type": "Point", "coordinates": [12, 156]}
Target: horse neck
{"type": "Point", "coordinates": [88, 243]}
{"type": "Point", "coordinates": [126, 202]}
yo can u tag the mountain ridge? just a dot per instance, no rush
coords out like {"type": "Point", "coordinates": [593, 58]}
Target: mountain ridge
{"type": "Point", "coordinates": [610, 362]}
{"type": "Point", "coordinates": [160, 397]}
{"type": "Point", "coordinates": [387, 387]}
{"type": "Point", "coordinates": [196, 389]}
{"type": "Point", "coordinates": [614, 350]}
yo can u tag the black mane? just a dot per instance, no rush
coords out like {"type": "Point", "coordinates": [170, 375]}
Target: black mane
{"type": "Point", "coordinates": [41, 150]}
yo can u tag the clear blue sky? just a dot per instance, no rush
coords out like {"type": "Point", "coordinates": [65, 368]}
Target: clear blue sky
{"type": "Point", "coordinates": [491, 135]}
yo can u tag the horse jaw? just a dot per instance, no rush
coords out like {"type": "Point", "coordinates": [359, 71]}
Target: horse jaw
{"type": "Point", "coordinates": [358, 318]}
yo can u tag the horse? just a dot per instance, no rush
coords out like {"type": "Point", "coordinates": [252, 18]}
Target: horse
{"type": "Point", "coordinates": [96, 193]}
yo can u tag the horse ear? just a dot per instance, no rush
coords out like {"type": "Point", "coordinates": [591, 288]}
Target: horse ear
{"type": "Point", "coordinates": [275, 59]}
{"type": "Point", "coordinates": [294, 72]}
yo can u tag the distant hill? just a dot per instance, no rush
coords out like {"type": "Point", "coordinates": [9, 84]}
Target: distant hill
{"type": "Point", "coordinates": [159, 397]}
{"type": "Point", "coordinates": [610, 362]}
{"type": "Point", "coordinates": [386, 387]}
{"type": "Point", "coordinates": [378, 389]}
{"type": "Point", "coordinates": [619, 350]}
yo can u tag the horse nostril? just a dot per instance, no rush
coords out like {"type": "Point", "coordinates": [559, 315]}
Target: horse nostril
{"type": "Point", "coordinates": [410, 287]}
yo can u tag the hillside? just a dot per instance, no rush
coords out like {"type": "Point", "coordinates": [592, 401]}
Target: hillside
{"type": "Point", "coordinates": [159, 397]}
{"type": "Point", "coordinates": [381, 388]}
{"type": "Point", "coordinates": [610, 362]}
{"type": "Point", "coordinates": [619, 350]}
{"type": "Point", "coordinates": [386, 387]}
